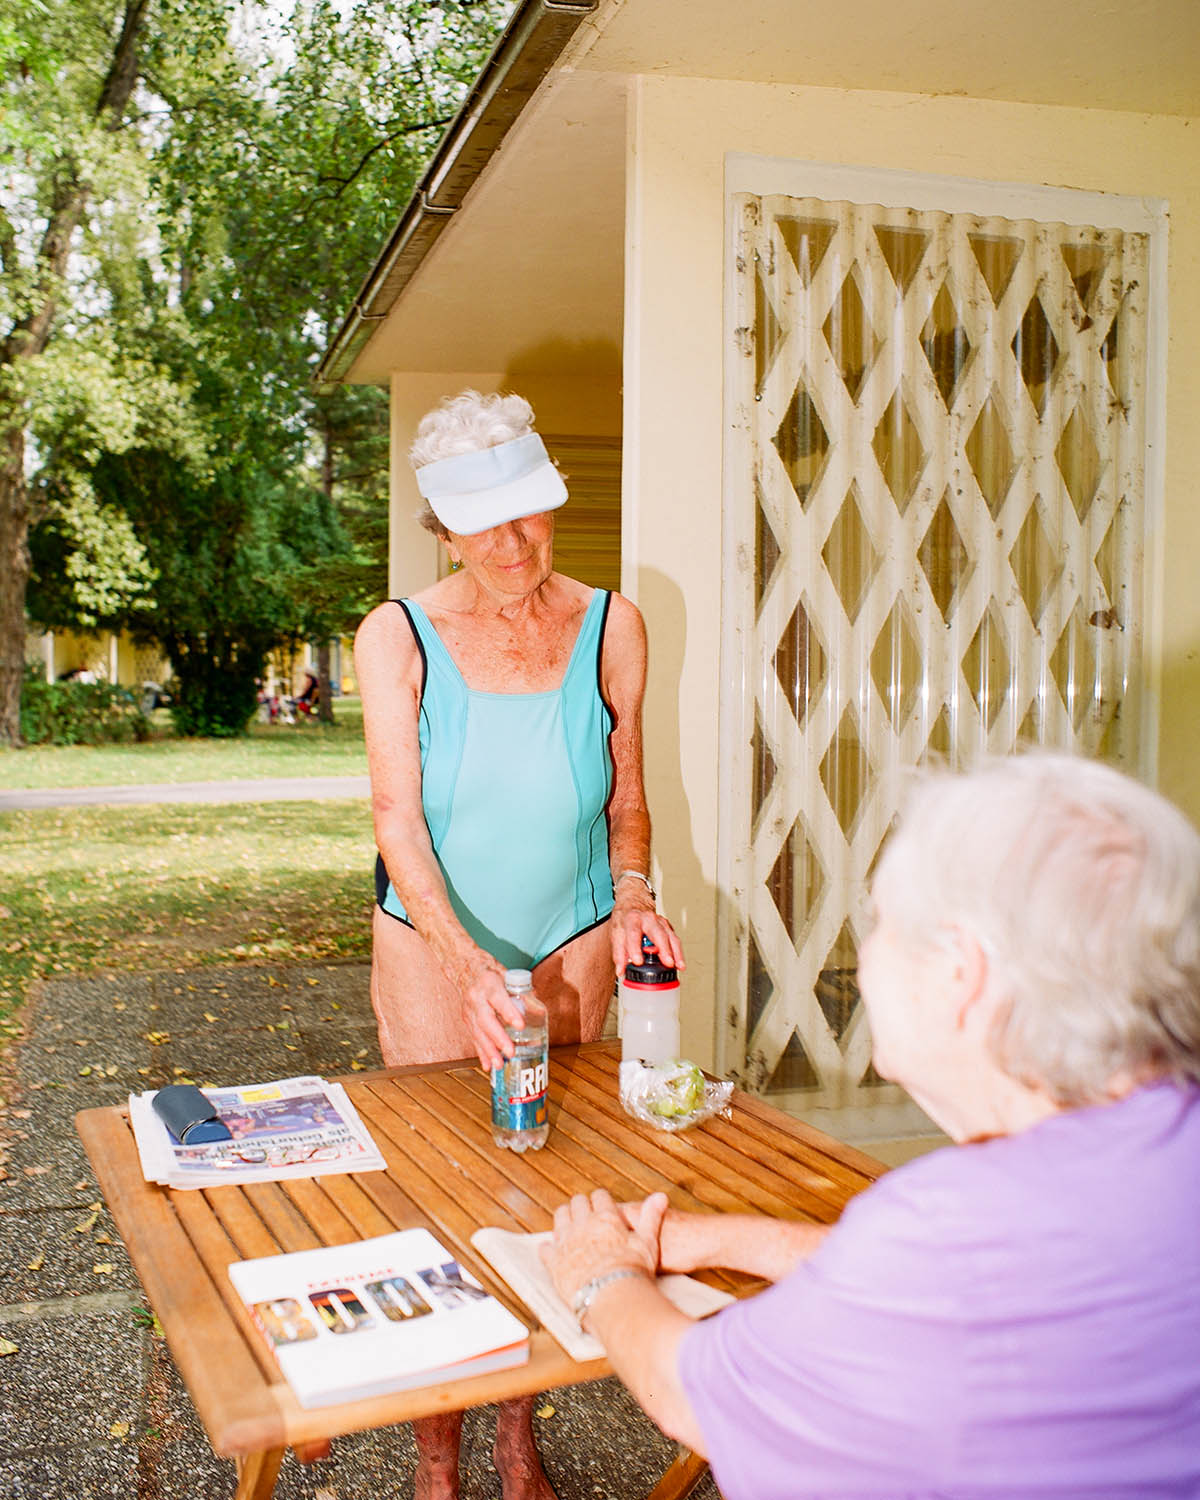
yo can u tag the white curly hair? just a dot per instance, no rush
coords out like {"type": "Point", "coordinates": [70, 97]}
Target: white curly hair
{"type": "Point", "coordinates": [464, 424]}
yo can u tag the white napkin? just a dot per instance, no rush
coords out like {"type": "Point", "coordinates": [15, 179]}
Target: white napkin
{"type": "Point", "coordinates": [516, 1259]}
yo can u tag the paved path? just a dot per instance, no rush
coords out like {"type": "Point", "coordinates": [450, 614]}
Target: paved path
{"type": "Point", "coordinates": [91, 1407]}
{"type": "Point", "coordinates": [268, 789]}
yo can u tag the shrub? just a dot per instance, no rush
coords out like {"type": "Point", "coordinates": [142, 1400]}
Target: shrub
{"type": "Point", "coordinates": [79, 713]}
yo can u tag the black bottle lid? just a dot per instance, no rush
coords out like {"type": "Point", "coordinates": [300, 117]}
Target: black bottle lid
{"type": "Point", "coordinates": [651, 970]}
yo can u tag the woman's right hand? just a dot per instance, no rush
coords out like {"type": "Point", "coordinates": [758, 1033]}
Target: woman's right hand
{"type": "Point", "coordinates": [487, 1009]}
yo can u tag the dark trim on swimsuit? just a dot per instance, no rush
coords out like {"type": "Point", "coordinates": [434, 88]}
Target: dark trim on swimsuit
{"type": "Point", "coordinates": [412, 625]}
{"type": "Point", "coordinates": [382, 883]}
{"type": "Point", "coordinates": [612, 720]}
{"type": "Point", "coordinates": [599, 656]}
{"type": "Point", "coordinates": [383, 879]}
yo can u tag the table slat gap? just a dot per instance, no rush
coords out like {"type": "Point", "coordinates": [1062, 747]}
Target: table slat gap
{"type": "Point", "coordinates": [419, 1136]}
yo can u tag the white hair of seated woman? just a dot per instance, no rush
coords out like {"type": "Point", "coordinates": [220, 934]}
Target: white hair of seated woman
{"type": "Point", "coordinates": [1082, 889]}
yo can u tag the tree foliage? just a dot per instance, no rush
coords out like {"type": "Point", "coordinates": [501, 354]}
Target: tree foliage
{"type": "Point", "coordinates": [190, 193]}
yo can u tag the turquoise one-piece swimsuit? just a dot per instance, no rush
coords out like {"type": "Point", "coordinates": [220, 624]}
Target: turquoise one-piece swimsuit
{"type": "Point", "coordinates": [514, 787]}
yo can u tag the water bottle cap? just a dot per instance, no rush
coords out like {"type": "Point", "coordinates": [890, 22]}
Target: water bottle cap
{"type": "Point", "coordinates": [651, 970]}
{"type": "Point", "coordinates": [518, 979]}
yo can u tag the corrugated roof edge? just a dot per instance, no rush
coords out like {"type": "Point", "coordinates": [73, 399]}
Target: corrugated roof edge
{"type": "Point", "coordinates": [528, 48]}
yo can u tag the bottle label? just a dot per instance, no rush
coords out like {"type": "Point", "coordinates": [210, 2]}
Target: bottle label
{"type": "Point", "coordinates": [519, 1093]}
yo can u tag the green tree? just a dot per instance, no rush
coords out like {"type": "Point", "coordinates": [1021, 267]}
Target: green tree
{"type": "Point", "coordinates": [72, 157]}
{"type": "Point", "coordinates": [183, 199]}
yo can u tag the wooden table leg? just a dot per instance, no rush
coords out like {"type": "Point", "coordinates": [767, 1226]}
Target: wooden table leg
{"type": "Point", "coordinates": [257, 1473]}
{"type": "Point", "coordinates": [681, 1478]}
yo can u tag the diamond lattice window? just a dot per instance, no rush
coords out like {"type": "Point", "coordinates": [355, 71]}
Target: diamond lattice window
{"type": "Point", "coordinates": [940, 426]}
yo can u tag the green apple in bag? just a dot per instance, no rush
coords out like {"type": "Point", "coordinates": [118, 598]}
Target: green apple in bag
{"type": "Point", "coordinates": [678, 1090]}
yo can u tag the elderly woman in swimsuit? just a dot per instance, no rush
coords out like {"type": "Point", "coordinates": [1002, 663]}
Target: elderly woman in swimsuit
{"type": "Point", "coordinates": [502, 709]}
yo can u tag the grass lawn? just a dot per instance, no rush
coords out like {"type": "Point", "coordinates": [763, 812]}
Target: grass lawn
{"type": "Point", "coordinates": [89, 889]}
{"type": "Point", "coordinates": [302, 749]}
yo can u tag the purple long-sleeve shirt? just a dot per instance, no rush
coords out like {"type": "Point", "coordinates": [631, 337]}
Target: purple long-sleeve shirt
{"type": "Point", "coordinates": [1014, 1320]}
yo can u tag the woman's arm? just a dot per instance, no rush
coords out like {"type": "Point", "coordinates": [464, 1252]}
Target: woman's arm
{"type": "Point", "coordinates": [640, 1330]}
{"type": "Point", "coordinates": [388, 666]}
{"type": "Point", "coordinates": [753, 1243]}
{"type": "Point", "coordinates": [623, 680]}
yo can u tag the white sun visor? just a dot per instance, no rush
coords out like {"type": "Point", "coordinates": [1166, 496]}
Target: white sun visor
{"type": "Point", "coordinates": [471, 492]}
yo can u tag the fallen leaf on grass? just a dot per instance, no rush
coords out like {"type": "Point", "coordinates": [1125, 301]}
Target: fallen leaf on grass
{"type": "Point", "coordinates": [36, 1171]}
{"type": "Point", "coordinates": [208, 1016]}
{"type": "Point", "coordinates": [103, 1268]}
{"type": "Point", "coordinates": [356, 1066]}
{"type": "Point", "coordinates": [545, 1411]}
{"type": "Point", "coordinates": [119, 1430]}
{"type": "Point", "coordinates": [36, 1263]}
{"type": "Point", "coordinates": [87, 1225]}
{"type": "Point", "coordinates": [157, 1038]}
{"type": "Point", "coordinates": [7, 1347]}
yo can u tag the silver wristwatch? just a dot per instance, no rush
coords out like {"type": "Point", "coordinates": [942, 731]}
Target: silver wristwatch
{"type": "Point", "coordinates": [587, 1292]}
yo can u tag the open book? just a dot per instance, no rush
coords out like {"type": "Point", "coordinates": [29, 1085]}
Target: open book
{"type": "Point", "coordinates": [379, 1315]}
{"type": "Point", "coordinates": [516, 1258]}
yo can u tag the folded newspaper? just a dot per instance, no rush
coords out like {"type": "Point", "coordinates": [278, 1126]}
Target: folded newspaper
{"type": "Point", "coordinates": [291, 1127]}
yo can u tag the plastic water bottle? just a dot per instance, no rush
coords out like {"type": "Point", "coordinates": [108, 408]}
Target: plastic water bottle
{"type": "Point", "coordinates": [649, 1009]}
{"type": "Point", "coordinates": [519, 1118]}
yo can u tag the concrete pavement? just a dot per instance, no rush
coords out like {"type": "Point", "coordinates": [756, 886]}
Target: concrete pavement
{"type": "Point", "coordinates": [270, 789]}
{"type": "Point", "coordinates": [91, 1407]}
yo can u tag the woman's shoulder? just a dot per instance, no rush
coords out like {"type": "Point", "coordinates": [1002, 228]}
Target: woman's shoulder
{"type": "Point", "coordinates": [625, 621]}
{"type": "Point", "coordinates": [385, 628]}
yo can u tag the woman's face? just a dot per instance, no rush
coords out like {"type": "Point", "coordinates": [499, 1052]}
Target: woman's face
{"type": "Point", "coordinates": [888, 980]}
{"type": "Point", "coordinates": [910, 991]}
{"type": "Point", "coordinates": [513, 559]}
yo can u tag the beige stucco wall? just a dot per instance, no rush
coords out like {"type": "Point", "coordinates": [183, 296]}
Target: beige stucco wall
{"type": "Point", "coordinates": [680, 131]}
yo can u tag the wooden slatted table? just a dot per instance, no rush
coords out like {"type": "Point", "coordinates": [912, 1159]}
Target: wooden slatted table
{"type": "Point", "coordinates": [443, 1173]}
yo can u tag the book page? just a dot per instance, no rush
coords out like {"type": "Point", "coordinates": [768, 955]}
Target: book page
{"type": "Point", "coordinates": [516, 1258]}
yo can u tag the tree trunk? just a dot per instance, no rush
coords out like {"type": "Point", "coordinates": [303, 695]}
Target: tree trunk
{"type": "Point", "coordinates": [14, 575]}
{"type": "Point", "coordinates": [324, 688]}
{"type": "Point", "coordinates": [324, 695]}
{"type": "Point", "coordinates": [24, 343]}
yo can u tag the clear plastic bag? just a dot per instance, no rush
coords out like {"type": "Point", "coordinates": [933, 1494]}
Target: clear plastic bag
{"type": "Point", "coordinates": [671, 1095]}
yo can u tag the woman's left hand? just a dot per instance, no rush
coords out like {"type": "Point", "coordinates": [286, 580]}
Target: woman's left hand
{"type": "Point", "coordinates": [634, 916]}
{"type": "Point", "coordinates": [592, 1236]}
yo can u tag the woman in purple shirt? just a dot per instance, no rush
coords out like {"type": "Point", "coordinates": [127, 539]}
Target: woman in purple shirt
{"type": "Point", "coordinates": [1013, 1318]}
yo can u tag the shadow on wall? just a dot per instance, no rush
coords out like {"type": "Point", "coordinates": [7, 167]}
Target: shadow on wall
{"type": "Point", "coordinates": [1179, 731]}
{"type": "Point", "coordinates": [593, 359]}
{"type": "Point", "coordinates": [690, 896]}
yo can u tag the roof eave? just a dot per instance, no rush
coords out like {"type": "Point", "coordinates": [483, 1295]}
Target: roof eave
{"type": "Point", "coordinates": [529, 47]}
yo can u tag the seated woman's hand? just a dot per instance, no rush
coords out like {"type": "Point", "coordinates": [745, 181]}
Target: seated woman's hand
{"type": "Point", "coordinates": [679, 1240]}
{"type": "Point", "coordinates": [634, 917]}
{"type": "Point", "coordinates": [592, 1236]}
{"type": "Point", "coordinates": [487, 1009]}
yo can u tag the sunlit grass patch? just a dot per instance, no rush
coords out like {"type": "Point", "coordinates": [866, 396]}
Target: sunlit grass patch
{"type": "Point", "coordinates": [88, 889]}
